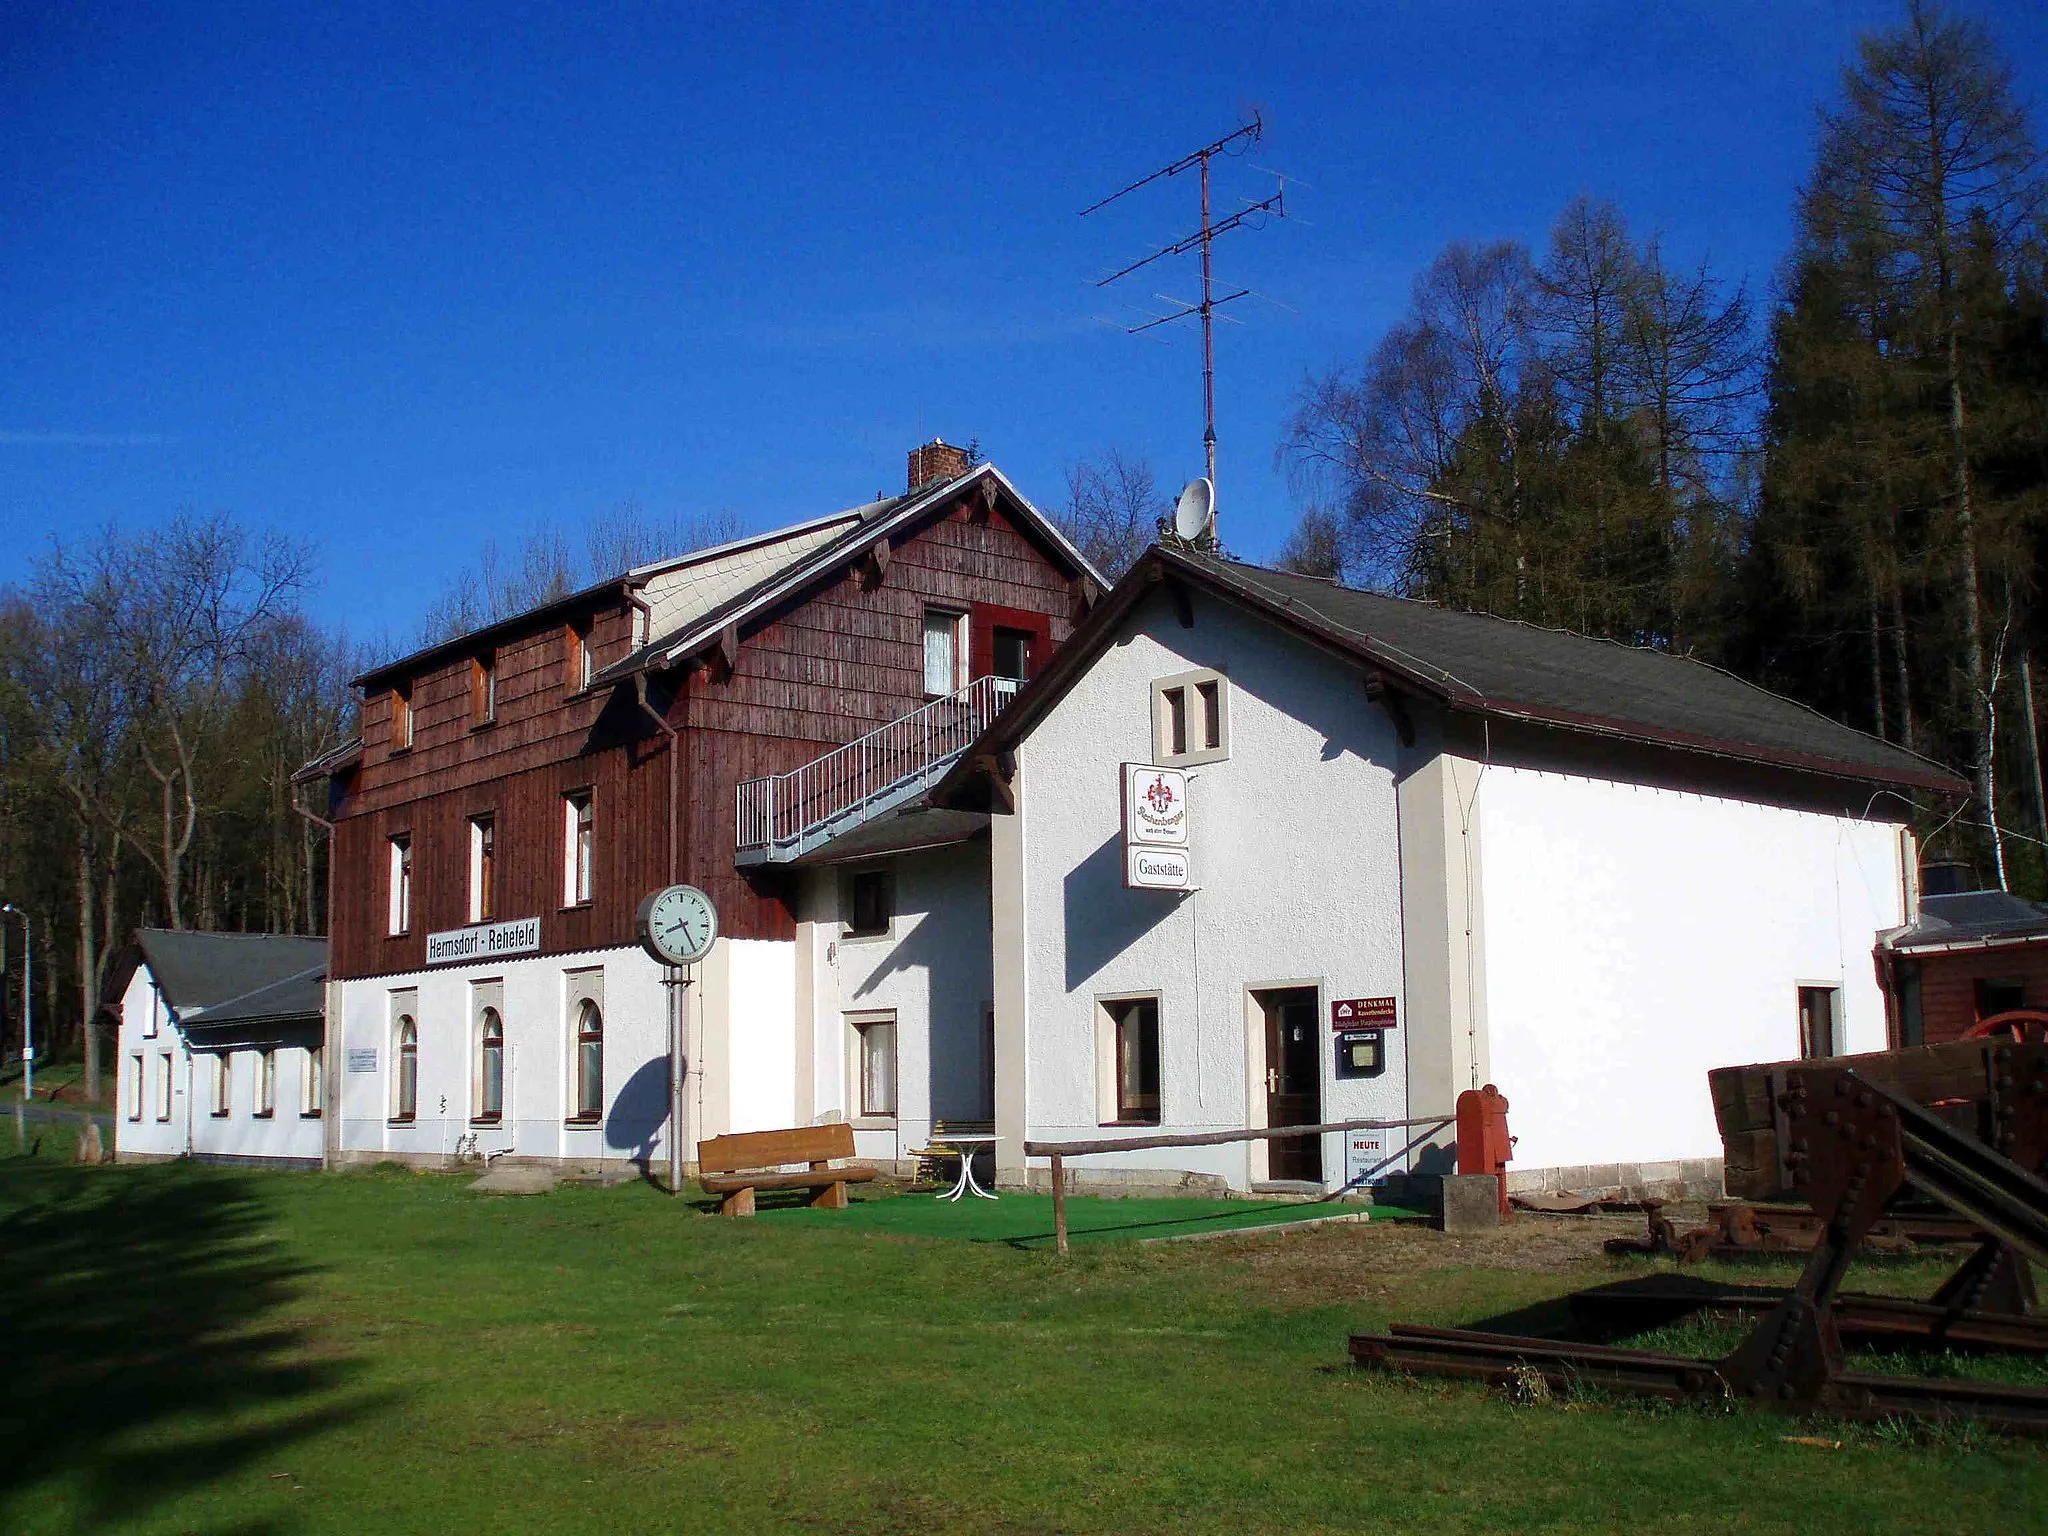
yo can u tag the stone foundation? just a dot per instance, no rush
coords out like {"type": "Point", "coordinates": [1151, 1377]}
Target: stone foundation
{"type": "Point", "coordinates": [1692, 1178]}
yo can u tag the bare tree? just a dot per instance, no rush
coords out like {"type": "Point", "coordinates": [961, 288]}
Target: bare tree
{"type": "Point", "coordinates": [1429, 432]}
{"type": "Point", "coordinates": [546, 568]}
{"type": "Point", "coordinates": [188, 604]}
{"type": "Point", "coordinates": [1113, 510]}
{"type": "Point", "coordinates": [1316, 546]}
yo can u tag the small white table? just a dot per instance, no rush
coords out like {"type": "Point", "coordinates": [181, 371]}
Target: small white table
{"type": "Point", "coordinates": [967, 1184]}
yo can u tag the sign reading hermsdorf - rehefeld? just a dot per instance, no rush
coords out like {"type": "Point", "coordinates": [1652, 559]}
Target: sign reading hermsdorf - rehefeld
{"type": "Point", "coordinates": [485, 941]}
{"type": "Point", "coordinates": [1156, 854]}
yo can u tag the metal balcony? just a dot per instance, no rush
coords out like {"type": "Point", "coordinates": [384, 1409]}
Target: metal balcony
{"type": "Point", "coordinates": [787, 815]}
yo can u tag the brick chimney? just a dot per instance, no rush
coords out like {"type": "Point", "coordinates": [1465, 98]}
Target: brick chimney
{"type": "Point", "coordinates": [937, 460]}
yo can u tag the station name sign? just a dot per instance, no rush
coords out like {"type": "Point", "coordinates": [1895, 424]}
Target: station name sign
{"type": "Point", "coordinates": [485, 941]}
{"type": "Point", "coordinates": [1155, 821]}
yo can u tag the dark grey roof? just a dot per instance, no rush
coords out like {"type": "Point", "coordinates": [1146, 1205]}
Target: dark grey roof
{"type": "Point", "coordinates": [1968, 917]}
{"type": "Point", "coordinates": [212, 979]}
{"type": "Point", "coordinates": [1504, 667]}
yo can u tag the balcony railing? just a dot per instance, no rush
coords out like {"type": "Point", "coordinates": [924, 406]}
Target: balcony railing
{"type": "Point", "coordinates": [785, 816]}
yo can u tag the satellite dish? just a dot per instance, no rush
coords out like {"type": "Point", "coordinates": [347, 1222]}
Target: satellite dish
{"type": "Point", "coordinates": [1195, 514]}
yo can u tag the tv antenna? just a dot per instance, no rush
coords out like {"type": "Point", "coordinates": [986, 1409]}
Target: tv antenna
{"type": "Point", "coordinates": [1201, 239]}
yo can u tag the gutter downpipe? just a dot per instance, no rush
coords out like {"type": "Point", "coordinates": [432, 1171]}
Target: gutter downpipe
{"type": "Point", "coordinates": [676, 984]}
{"type": "Point", "coordinates": [640, 606]}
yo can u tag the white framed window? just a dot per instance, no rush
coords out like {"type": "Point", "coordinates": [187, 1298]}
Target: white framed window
{"type": "Point", "coordinates": [589, 1061]}
{"type": "Point", "coordinates": [155, 1021]}
{"type": "Point", "coordinates": [490, 1067]}
{"type": "Point", "coordinates": [1820, 1020]}
{"type": "Point", "coordinates": [266, 1085]}
{"type": "Point", "coordinates": [578, 667]}
{"type": "Point", "coordinates": [313, 1081]}
{"type": "Point", "coordinates": [223, 1083]}
{"type": "Point", "coordinates": [135, 1089]}
{"type": "Point", "coordinates": [163, 1086]}
{"type": "Point", "coordinates": [871, 1038]}
{"type": "Point", "coordinates": [400, 915]}
{"type": "Point", "coordinates": [578, 833]}
{"type": "Point", "coordinates": [1127, 1060]}
{"type": "Point", "coordinates": [405, 1069]}
{"type": "Point", "coordinates": [868, 898]}
{"type": "Point", "coordinates": [945, 651]}
{"type": "Point", "coordinates": [483, 867]}
{"type": "Point", "coordinates": [1190, 718]}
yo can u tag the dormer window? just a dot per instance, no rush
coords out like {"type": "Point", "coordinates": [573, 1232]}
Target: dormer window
{"type": "Point", "coordinates": [401, 717]}
{"type": "Point", "coordinates": [578, 665]}
{"type": "Point", "coordinates": [483, 689]}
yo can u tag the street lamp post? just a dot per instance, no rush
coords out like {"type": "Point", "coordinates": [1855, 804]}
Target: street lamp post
{"type": "Point", "coordinates": [28, 1032]}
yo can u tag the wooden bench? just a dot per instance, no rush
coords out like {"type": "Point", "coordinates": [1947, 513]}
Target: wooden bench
{"type": "Point", "coordinates": [737, 1165]}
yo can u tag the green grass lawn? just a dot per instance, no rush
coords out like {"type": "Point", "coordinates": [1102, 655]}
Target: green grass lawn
{"type": "Point", "coordinates": [1026, 1222]}
{"type": "Point", "coordinates": [195, 1349]}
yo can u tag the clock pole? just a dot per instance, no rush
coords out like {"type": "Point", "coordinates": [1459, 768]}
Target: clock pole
{"type": "Point", "coordinates": [678, 980]}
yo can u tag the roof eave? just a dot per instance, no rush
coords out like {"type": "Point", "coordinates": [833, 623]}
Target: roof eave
{"type": "Point", "coordinates": [660, 655]}
{"type": "Point", "coordinates": [496, 629]}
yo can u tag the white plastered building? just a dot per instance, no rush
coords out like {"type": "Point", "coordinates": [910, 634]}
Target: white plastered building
{"type": "Point", "coordinates": [221, 1048]}
{"type": "Point", "coordinates": [1584, 872]}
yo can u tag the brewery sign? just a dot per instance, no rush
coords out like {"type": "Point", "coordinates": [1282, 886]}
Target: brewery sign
{"type": "Point", "coordinates": [1155, 826]}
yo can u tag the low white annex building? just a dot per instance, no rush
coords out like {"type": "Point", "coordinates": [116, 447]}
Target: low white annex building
{"type": "Point", "coordinates": [1424, 850]}
{"type": "Point", "coordinates": [221, 1047]}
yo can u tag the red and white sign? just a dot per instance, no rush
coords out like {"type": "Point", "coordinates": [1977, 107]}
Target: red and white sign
{"type": "Point", "coordinates": [1155, 817]}
{"type": "Point", "coordinates": [1362, 1013]}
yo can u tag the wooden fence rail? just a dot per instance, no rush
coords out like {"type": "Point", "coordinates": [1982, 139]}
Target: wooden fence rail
{"type": "Point", "coordinates": [1060, 1151]}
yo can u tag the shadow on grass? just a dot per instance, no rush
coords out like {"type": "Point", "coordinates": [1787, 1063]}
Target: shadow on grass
{"type": "Point", "coordinates": [136, 1330]}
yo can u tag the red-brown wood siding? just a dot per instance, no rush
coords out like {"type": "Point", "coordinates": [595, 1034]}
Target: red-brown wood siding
{"type": "Point", "coordinates": [817, 672]}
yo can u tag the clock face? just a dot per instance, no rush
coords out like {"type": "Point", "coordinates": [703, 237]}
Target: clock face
{"type": "Point", "coordinates": [678, 925]}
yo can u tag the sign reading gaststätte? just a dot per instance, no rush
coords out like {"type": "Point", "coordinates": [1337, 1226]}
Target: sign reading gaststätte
{"type": "Point", "coordinates": [1155, 826]}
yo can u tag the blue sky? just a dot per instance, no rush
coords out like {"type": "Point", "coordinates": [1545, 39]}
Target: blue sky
{"type": "Point", "coordinates": [401, 281]}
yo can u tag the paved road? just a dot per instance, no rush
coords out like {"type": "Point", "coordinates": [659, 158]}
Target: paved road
{"type": "Point", "coordinates": [58, 1113]}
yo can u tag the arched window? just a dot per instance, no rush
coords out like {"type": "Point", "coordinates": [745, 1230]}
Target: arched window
{"type": "Point", "coordinates": [589, 1061]}
{"type": "Point", "coordinates": [405, 1082]}
{"type": "Point", "coordinates": [490, 1066]}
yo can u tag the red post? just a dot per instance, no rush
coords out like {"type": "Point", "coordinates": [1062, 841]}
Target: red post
{"type": "Point", "coordinates": [1484, 1145]}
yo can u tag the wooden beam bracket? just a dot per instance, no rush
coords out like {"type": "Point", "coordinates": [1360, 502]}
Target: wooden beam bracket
{"type": "Point", "coordinates": [1395, 703]}
{"type": "Point", "coordinates": [875, 564]}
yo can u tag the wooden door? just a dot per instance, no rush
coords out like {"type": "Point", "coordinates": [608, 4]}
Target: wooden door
{"type": "Point", "coordinates": [1294, 1083]}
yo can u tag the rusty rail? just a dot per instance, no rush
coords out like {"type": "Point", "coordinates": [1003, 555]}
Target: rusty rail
{"type": "Point", "coordinates": [1060, 1151]}
{"type": "Point", "coordinates": [1852, 1146]}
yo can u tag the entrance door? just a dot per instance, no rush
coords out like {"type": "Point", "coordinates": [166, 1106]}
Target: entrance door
{"type": "Point", "coordinates": [1294, 1083]}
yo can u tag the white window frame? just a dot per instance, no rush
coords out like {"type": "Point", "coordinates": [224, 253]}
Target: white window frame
{"type": "Point", "coordinates": [156, 1012]}
{"type": "Point", "coordinates": [1838, 1023]}
{"type": "Point", "coordinates": [137, 1063]}
{"type": "Point", "coordinates": [1108, 1097]}
{"type": "Point", "coordinates": [579, 876]}
{"type": "Point", "coordinates": [312, 1082]}
{"type": "Point", "coordinates": [955, 622]}
{"type": "Point", "coordinates": [265, 1105]}
{"type": "Point", "coordinates": [164, 1084]}
{"type": "Point", "coordinates": [223, 1084]}
{"type": "Point", "coordinates": [1188, 686]}
{"type": "Point", "coordinates": [857, 1026]}
{"type": "Point", "coordinates": [483, 837]}
{"type": "Point", "coordinates": [399, 881]}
